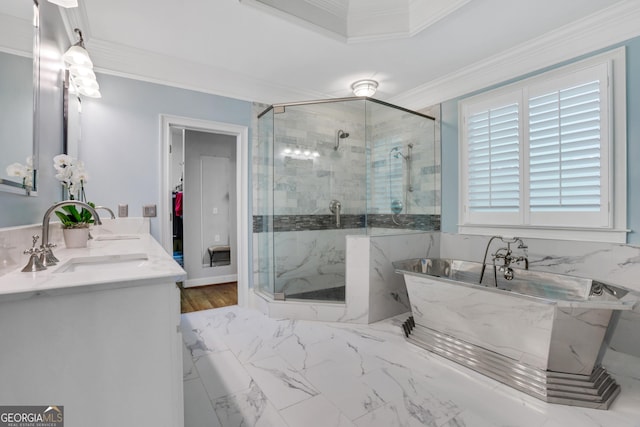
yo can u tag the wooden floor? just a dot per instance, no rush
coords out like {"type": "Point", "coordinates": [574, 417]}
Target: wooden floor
{"type": "Point", "coordinates": [206, 297]}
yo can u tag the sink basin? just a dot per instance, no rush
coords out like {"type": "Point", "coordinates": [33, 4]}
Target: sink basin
{"type": "Point", "coordinates": [105, 262]}
{"type": "Point", "coordinates": [116, 237]}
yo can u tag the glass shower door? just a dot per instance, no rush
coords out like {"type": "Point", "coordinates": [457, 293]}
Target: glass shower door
{"type": "Point", "coordinates": [318, 196]}
{"type": "Point", "coordinates": [263, 206]}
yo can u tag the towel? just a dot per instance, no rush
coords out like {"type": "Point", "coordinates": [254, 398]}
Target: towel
{"type": "Point", "coordinates": [178, 206]}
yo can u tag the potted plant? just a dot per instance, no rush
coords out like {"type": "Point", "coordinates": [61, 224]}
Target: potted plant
{"type": "Point", "coordinates": [75, 221]}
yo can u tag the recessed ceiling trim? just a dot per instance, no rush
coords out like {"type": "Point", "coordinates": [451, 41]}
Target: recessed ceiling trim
{"type": "Point", "coordinates": [600, 30]}
{"type": "Point", "coordinates": [420, 20]}
{"type": "Point", "coordinates": [307, 15]}
{"type": "Point", "coordinates": [356, 21]}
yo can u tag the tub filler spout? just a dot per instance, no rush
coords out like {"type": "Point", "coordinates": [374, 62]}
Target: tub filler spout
{"type": "Point", "coordinates": [504, 254]}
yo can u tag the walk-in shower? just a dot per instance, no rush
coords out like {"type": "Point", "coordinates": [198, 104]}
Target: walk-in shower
{"type": "Point", "coordinates": [332, 168]}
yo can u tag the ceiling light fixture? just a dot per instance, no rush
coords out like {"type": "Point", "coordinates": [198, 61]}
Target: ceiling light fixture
{"type": "Point", "coordinates": [364, 87]}
{"type": "Point", "coordinates": [65, 3]}
{"type": "Point", "coordinates": [80, 67]}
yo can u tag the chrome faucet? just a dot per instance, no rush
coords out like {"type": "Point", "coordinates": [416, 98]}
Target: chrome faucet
{"type": "Point", "coordinates": [506, 255]}
{"type": "Point", "coordinates": [47, 257]}
{"type": "Point", "coordinates": [334, 207]}
{"type": "Point", "coordinates": [113, 216]}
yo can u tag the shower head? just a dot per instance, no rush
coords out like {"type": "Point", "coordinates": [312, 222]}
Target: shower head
{"type": "Point", "coordinates": [340, 134]}
{"type": "Point", "coordinates": [397, 153]}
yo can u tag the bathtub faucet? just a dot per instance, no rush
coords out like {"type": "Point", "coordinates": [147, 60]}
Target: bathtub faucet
{"type": "Point", "coordinates": [506, 255]}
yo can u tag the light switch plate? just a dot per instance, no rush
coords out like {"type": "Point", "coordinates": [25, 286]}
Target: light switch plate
{"type": "Point", "coordinates": [123, 210]}
{"type": "Point", "coordinates": [149, 211]}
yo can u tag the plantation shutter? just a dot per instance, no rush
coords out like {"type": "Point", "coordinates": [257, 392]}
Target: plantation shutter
{"type": "Point", "coordinates": [536, 156]}
{"type": "Point", "coordinates": [493, 153]}
{"type": "Point", "coordinates": [564, 150]}
{"type": "Point", "coordinates": [567, 161]}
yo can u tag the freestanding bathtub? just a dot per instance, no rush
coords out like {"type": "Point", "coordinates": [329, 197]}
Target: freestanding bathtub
{"type": "Point", "coordinates": [541, 333]}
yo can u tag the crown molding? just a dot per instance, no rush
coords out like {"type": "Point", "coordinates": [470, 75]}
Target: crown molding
{"type": "Point", "coordinates": [16, 36]}
{"type": "Point", "coordinates": [600, 30]}
{"type": "Point", "coordinates": [117, 60]}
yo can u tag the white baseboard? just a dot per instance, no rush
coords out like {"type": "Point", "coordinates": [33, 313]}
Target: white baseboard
{"type": "Point", "coordinates": [211, 280]}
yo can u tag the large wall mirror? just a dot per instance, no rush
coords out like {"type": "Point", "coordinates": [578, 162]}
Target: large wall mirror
{"type": "Point", "coordinates": [19, 95]}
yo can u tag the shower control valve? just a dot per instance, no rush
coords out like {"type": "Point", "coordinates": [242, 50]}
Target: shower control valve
{"type": "Point", "coordinates": [334, 207]}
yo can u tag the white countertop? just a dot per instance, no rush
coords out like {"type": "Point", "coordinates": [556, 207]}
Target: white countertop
{"type": "Point", "coordinates": [158, 267]}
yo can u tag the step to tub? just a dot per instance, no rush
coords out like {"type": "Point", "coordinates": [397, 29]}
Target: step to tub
{"type": "Point", "coordinates": [597, 390]}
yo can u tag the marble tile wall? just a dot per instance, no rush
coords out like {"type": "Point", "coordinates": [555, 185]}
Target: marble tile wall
{"type": "Point", "coordinates": [387, 290]}
{"type": "Point", "coordinates": [391, 131]}
{"type": "Point", "coordinates": [309, 260]}
{"type": "Point", "coordinates": [616, 264]}
{"type": "Point", "coordinates": [374, 290]}
{"type": "Point", "coordinates": [299, 184]}
{"type": "Point", "coordinates": [305, 184]}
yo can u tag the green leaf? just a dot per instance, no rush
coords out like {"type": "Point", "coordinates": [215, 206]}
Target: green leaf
{"type": "Point", "coordinates": [73, 217]}
{"type": "Point", "coordinates": [72, 211]}
{"type": "Point", "coordinates": [65, 219]}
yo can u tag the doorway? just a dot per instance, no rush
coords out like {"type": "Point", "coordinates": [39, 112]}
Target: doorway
{"type": "Point", "coordinates": [204, 200]}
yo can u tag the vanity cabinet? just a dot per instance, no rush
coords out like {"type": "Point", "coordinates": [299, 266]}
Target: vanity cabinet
{"type": "Point", "coordinates": [111, 354]}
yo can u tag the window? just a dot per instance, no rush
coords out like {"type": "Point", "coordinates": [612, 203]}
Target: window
{"type": "Point", "coordinates": [538, 155]}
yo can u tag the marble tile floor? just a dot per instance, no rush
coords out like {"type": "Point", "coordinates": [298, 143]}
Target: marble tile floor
{"type": "Point", "coordinates": [242, 368]}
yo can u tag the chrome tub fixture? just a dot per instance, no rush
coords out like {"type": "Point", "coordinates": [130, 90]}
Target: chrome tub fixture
{"type": "Point", "coordinates": [541, 333]}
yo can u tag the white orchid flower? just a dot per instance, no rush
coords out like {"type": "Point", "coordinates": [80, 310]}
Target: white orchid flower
{"type": "Point", "coordinates": [62, 161]}
{"type": "Point", "coordinates": [17, 169]}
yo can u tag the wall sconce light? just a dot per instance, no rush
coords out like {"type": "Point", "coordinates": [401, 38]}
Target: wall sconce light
{"type": "Point", "coordinates": [364, 87]}
{"type": "Point", "coordinates": [82, 79]}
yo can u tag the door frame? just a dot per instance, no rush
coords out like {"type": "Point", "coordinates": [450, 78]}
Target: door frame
{"type": "Point", "coordinates": [241, 133]}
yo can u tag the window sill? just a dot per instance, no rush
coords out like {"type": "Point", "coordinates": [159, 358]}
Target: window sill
{"type": "Point", "coordinates": [606, 235]}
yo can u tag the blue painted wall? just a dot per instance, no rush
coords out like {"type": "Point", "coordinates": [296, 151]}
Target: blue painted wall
{"type": "Point", "coordinates": [450, 146]}
{"type": "Point", "coordinates": [121, 137]}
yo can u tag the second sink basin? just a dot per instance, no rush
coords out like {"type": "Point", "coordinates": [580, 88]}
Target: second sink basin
{"type": "Point", "coordinates": [96, 263]}
{"type": "Point", "coordinates": [116, 237]}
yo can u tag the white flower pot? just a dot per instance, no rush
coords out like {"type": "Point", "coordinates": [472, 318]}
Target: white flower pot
{"type": "Point", "coordinates": [76, 237]}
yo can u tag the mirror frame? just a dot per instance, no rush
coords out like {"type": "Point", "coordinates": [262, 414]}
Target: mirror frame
{"type": "Point", "coordinates": [13, 186]}
{"type": "Point", "coordinates": [71, 116]}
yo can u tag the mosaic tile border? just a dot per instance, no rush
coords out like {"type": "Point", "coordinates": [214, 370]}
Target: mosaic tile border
{"type": "Point", "coordinates": [280, 223]}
